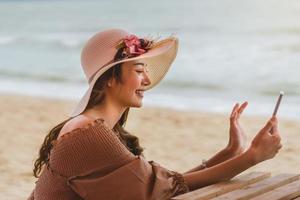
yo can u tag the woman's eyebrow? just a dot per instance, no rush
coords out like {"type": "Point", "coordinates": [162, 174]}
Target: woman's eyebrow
{"type": "Point", "coordinates": [139, 64]}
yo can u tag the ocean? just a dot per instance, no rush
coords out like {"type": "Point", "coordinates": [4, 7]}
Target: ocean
{"type": "Point", "coordinates": [230, 51]}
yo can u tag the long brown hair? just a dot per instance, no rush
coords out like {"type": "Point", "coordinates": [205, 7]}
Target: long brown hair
{"type": "Point", "coordinates": [97, 96]}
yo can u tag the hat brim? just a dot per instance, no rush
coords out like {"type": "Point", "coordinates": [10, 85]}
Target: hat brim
{"type": "Point", "coordinates": [158, 59]}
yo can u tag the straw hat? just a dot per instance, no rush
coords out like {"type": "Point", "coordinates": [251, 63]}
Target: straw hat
{"type": "Point", "coordinates": [98, 56]}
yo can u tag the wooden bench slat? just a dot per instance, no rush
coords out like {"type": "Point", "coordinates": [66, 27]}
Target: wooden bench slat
{"type": "Point", "coordinates": [259, 188]}
{"type": "Point", "coordinates": [217, 189]}
{"type": "Point", "coordinates": [285, 192]}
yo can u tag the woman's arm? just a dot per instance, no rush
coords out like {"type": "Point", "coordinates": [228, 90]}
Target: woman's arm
{"type": "Point", "coordinates": [220, 157]}
{"type": "Point", "coordinates": [221, 172]}
{"type": "Point", "coordinates": [264, 146]}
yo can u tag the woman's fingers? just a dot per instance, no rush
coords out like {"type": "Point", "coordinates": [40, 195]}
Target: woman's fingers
{"type": "Point", "coordinates": [237, 110]}
{"type": "Point", "coordinates": [266, 129]}
{"type": "Point", "coordinates": [234, 108]}
{"type": "Point", "coordinates": [234, 111]}
{"type": "Point", "coordinates": [242, 107]}
{"type": "Point", "coordinates": [278, 147]}
{"type": "Point", "coordinates": [274, 130]}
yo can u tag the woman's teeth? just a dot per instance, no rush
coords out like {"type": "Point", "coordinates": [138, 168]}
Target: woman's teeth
{"type": "Point", "coordinates": [140, 92]}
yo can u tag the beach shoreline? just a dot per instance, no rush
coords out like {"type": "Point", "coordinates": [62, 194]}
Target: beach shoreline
{"type": "Point", "coordinates": [176, 139]}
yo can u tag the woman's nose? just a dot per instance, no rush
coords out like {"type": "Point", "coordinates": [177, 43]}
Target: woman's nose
{"type": "Point", "coordinates": [146, 79]}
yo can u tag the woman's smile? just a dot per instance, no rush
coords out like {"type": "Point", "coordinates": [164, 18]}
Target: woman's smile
{"type": "Point", "coordinates": [140, 93]}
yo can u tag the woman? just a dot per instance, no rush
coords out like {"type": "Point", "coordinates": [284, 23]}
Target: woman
{"type": "Point", "coordinates": [92, 156]}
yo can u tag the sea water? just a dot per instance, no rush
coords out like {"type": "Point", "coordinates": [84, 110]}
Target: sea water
{"type": "Point", "coordinates": [230, 51]}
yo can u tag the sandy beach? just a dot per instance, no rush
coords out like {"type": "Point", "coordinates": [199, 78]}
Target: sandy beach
{"type": "Point", "coordinates": [178, 140]}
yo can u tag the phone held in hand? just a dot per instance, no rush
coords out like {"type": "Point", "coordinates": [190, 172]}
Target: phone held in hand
{"type": "Point", "coordinates": [278, 103]}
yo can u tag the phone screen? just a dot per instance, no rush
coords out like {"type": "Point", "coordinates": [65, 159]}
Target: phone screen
{"type": "Point", "coordinates": [278, 103]}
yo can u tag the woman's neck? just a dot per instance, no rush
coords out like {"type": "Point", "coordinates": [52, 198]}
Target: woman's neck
{"type": "Point", "coordinates": [111, 113]}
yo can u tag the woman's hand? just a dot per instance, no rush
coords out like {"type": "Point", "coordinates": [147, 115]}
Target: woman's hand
{"type": "Point", "coordinates": [236, 144]}
{"type": "Point", "coordinates": [264, 146]}
{"type": "Point", "coordinates": [237, 137]}
{"type": "Point", "coordinates": [266, 143]}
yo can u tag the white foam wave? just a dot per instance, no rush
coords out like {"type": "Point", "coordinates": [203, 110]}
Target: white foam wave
{"type": "Point", "coordinates": [4, 40]}
{"type": "Point", "coordinates": [63, 40]}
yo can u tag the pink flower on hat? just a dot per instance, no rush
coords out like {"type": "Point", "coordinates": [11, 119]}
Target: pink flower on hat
{"type": "Point", "coordinates": [133, 45]}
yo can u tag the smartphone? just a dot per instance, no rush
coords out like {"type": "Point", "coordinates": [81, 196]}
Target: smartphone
{"type": "Point", "coordinates": [278, 103]}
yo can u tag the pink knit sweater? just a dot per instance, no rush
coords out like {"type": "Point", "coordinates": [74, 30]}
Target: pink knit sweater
{"type": "Point", "coordinates": [92, 163]}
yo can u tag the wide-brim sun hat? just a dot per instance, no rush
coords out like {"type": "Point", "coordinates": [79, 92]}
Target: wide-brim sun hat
{"type": "Point", "coordinates": [98, 54]}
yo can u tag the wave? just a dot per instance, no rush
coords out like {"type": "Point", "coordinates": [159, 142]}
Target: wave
{"type": "Point", "coordinates": [4, 40]}
{"type": "Point", "coordinates": [292, 48]}
{"type": "Point", "coordinates": [291, 89]}
{"type": "Point", "coordinates": [63, 41]}
{"type": "Point", "coordinates": [39, 77]}
{"type": "Point", "coordinates": [186, 84]}
{"type": "Point", "coordinates": [280, 31]}
{"type": "Point", "coordinates": [169, 84]}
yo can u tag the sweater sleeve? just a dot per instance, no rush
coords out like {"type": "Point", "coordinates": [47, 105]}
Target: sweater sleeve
{"type": "Point", "coordinates": [138, 179]}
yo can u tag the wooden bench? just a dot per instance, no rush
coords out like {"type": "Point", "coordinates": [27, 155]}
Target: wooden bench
{"type": "Point", "coordinates": [254, 185]}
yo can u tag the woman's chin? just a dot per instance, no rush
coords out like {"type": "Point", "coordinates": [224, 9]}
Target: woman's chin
{"type": "Point", "coordinates": [137, 104]}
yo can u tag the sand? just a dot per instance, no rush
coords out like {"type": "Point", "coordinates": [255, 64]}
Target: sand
{"type": "Point", "coordinates": [177, 140]}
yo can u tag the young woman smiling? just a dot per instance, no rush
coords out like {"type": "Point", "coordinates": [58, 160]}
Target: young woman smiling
{"type": "Point", "coordinates": [91, 156]}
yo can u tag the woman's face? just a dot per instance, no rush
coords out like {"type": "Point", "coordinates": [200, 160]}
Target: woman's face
{"type": "Point", "coordinates": [135, 78]}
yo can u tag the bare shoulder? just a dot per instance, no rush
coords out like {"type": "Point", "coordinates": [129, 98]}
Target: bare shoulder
{"type": "Point", "coordinates": [79, 121]}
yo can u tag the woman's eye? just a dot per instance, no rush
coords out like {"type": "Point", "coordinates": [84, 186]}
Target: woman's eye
{"type": "Point", "coordinates": [139, 71]}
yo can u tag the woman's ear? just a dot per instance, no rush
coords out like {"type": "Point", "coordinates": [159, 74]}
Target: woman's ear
{"type": "Point", "coordinates": [110, 82]}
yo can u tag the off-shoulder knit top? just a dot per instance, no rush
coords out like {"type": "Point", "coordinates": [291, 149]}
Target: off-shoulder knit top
{"type": "Point", "coordinates": [92, 163]}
